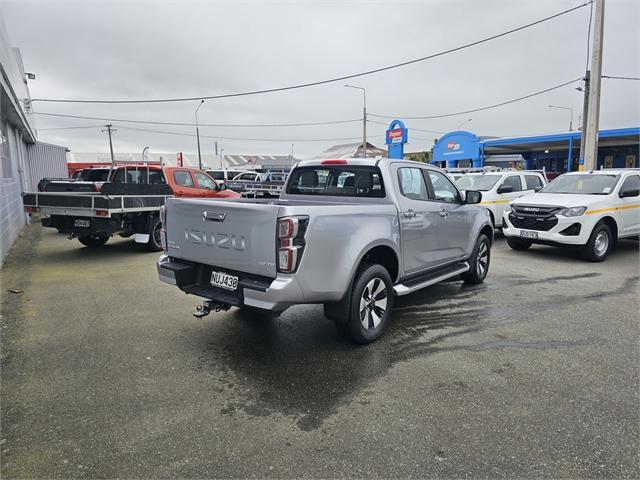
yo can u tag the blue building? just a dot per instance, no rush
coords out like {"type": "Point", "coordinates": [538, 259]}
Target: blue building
{"type": "Point", "coordinates": [559, 152]}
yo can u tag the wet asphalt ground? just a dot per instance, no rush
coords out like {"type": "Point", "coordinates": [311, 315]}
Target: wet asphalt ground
{"type": "Point", "coordinates": [105, 373]}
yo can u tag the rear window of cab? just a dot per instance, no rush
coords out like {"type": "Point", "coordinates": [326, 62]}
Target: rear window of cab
{"type": "Point", "coordinates": [337, 181]}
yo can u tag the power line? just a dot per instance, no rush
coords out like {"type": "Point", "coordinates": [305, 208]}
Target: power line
{"type": "Point", "coordinates": [182, 124]}
{"type": "Point", "coordinates": [165, 132]}
{"type": "Point", "coordinates": [488, 107]}
{"type": "Point", "coordinates": [69, 128]}
{"type": "Point", "coordinates": [620, 78]}
{"type": "Point", "coordinates": [330, 80]}
{"type": "Point", "coordinates": [410, 128]}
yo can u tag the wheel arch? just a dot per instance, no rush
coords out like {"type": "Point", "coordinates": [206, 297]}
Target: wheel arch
{"type": "Point", "coordinates": [381, 254]}
{"type": "Point", "coordinates": [610, 222]}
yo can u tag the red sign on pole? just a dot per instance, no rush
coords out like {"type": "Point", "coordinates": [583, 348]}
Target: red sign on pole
{"type": "Point", "coordinates": [394, 136]}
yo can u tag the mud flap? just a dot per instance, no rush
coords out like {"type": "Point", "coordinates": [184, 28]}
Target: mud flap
{"type": "Point", "coordinates": [141, 238]}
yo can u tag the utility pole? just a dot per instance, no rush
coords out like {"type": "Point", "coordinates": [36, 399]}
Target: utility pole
{"type": "Point", "coordinates": [585, 115]}
{"type": "Point", "coordinates": [593, 120]}
{"type": "Point", "coordinates": [198, 135]}
{"type": "Point", "coordinates": [364, 119]}
{"type": "Point", "coordinates": [110, 130]}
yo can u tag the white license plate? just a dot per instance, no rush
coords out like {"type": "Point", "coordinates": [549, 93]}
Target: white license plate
{"type": "Point", "coordinates": [82, 223]}
{"type": "Point", "coordinates": [528, 234]}
{"type": "Point", "coordinates": [223, 280]}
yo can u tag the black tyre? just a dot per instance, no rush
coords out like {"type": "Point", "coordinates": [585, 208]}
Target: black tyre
{"type": "Point", "coordinates": [370, 305]}
{"type": "Point", "coordinates": [479, 261]}
{"type": "Point", "coordinates": [93, 240]}
{"type": "Point", "coordinates": [518, 243]}
{"type": "Point", "coordinates": [154, 244]}
{"type": "Point", "coordinates": [599, 244]}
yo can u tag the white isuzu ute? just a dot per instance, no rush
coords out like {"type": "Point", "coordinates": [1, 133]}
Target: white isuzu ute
{"type": "Point", "coordinates": [591, 210]}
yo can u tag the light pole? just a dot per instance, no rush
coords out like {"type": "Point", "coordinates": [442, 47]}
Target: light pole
{"type": "Point", "coordinates": [566, 108]}
{"type": "Point", "coordinates": [364, 119]}
{"type": "Point", "coordinates": [198, 135]}
{"type": "Point", "coordinates": [466, 121]}
{"type": "Point", "coordinates": [291, 159]}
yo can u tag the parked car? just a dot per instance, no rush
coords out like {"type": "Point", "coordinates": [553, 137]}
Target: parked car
{"type": "Point", "coordinates": [501, 187]}
{"type": "Point", "coordinates": [350, 234]}
{"type": "Point", "coordinates": [223, 175]}
{"type": "Point", "coordinates": [129, 204]}
{"type": "Point", "coordinates": [590, 210]}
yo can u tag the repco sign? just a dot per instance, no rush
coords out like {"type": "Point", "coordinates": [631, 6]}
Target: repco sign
{"type": "Point", "coordinates": [453, 146]}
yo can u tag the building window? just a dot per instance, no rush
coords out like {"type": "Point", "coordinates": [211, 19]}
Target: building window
{"type": "Point", "coordinates": [7, 168]}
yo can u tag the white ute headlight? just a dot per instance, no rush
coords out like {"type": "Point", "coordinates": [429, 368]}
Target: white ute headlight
{"type": "Point", "coordinates": [573, 211]}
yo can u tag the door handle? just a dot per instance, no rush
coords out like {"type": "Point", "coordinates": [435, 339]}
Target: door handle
{"type": "Point", "coordinates": [409, 214]}
{"type": "Point", "coordinates": [444, 213]}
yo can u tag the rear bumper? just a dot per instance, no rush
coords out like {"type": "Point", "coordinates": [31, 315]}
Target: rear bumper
{"type": "Point", "coordinates": [275, 294]}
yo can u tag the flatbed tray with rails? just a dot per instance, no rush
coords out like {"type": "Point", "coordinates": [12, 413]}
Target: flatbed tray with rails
{"type": "Point", "coordinates": [91, 204]}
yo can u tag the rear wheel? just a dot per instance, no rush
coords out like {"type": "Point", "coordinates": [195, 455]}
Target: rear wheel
{"type": "Point", "coordinates": [479, 261]}
{"type": "Point", "coordinates": [599, 244]}
{"type": "Point", "coordinates": [370, 305]}
{"type": "Point", "coordinates": [518, 243]}
{"type": "Point", "coordinates": [93, 240]}
{"type": "Point", "coordinates": [155, 244]}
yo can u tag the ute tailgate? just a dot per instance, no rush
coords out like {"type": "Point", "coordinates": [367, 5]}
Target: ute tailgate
{"type": "Point", "coordinates": [232, 235]}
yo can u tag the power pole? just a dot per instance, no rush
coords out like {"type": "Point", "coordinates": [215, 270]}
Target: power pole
{"type": "Point", "coordinates": [591, 133]}
{"type": "Point", "coordinates": [110, 130]}
{"type": "Point", "coordinates": [585, 114]}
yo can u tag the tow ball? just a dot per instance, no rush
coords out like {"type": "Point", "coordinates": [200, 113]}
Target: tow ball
{"type": "Point", "coordinates": [208, 305]}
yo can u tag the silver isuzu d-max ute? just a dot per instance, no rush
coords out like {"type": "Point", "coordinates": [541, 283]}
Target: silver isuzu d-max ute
{"type": "Point", "coordinates": [350, 234]}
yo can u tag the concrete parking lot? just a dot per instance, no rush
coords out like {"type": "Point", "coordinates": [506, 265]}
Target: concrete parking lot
{"type": "Point", "coordinates": [105, 373]}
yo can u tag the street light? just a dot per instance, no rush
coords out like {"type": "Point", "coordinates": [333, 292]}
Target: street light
{"type": "Point", "coordinates": [364, 119]}
{"type": "Point", "coordinates": [466, 121]}
{"type": "Point", "coordinates": [198, 135]}
{"type": "Point", "coordinates": [566, 108]}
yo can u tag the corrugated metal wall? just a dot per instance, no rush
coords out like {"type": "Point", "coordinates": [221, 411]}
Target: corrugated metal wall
{"type": "Point", "coordinates": [44, 160]}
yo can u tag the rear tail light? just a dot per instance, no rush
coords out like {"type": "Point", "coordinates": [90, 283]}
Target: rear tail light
{"type": "Point", "coordinates": [163, 229]}
{"type": "Point", "coordinates": [333, 162]}
{"type": "Point", "coordinates": [31, 209]}
{"type": "Point", "coordinates": [102, 213]}
{"type": "Point", "coordinates": [96, 188]}
{"type": "Point", "coordinates": [290, 233]}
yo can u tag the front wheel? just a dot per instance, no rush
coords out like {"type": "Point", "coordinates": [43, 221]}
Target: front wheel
{"type": "Point", "coordinates": [93, 240]}
{"type": "Point", "coordinates": [479, 261]}
{"type": "Point", "coordinates": [599, 244]}
{"type": "Point", "coordinates": [370, 306]}
{"type": "Point", "coordinates": [518, 243]}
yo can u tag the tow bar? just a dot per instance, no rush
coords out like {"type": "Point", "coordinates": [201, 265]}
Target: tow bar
{"type": "Point", "coordinates": [208, 305]}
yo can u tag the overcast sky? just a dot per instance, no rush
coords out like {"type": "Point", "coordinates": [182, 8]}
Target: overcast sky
{"type": "Point", "coordinates": [158, 49]}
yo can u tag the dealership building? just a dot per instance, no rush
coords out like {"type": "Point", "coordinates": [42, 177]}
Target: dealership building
{"type": "Point", "coordinates": [559, 152]}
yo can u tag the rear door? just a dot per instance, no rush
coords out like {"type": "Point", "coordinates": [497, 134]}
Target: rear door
{"type": "Point", "coordinates": [419, 220]}
{"type": "Point", "coordinates": [227, 235]}
{"type": "Point", "coordinates": [629, 212]}
{"type": "Point", "coordinates": [454, 230]}
{"type": "Point", "coordinates": [184, 184]}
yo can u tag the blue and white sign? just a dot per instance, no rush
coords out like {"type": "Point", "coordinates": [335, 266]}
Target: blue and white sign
{"type": "Point", "coordinates": [397, 136]}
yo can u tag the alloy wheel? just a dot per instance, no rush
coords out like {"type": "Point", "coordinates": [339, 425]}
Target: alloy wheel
{"type": "Point", "coordinates": [373, 303]}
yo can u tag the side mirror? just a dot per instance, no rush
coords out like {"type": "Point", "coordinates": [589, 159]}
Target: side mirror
{"type": "Point", "coordinates": [505, 189]}
{"type": "Point", "coordinates": [537, 189]}
{"type": "Point", "coordinates": [472, 197]}
{"type": "Point", "coordinates": [629, 192]}
{"type": "Point", "coordinates": [222, 186]}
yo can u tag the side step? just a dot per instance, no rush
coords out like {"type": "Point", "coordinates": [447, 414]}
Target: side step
{"type": "Point", "coordinates": [429, 279]}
